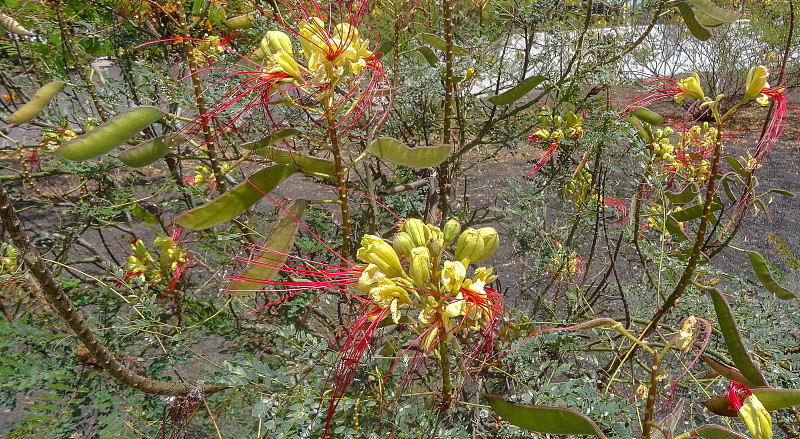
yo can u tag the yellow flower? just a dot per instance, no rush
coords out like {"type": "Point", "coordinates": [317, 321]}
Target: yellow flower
{"type": "Point", "coordinates": [375, 250]}
{"type": "Point", "coordinates": [756, 418]}
{"type": "Point", "coordinates": [690, 88]}
{"type": "Point", "coordinates": [756, 81]}
{"type": "Point", "coordinates": [453, 275]}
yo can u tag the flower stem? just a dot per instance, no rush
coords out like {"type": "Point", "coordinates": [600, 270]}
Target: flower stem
{"type": "Point", "coordinates": [447, 385]}
{"type": "Point", "coordinates": [342, 187]}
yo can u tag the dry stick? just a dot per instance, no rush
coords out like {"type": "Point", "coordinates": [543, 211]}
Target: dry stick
{"type": "Point", "coordinates": [69, 314]}
{"type": "Point", "coordinates": [70, 45]}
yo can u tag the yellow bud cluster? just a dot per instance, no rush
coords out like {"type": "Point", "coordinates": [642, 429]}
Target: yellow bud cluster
{"type": "Point", "coordinates": [141, 262]}
{"type": "Point", "coordinates": [558, 127]}
{"type": "Point", "coordinates": [9, 262]}
{"type": "Point", "coordinates": [414, 273]}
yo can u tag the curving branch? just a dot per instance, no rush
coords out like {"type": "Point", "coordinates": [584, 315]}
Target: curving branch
{"type": "Point", "coordinates": [54, 294]}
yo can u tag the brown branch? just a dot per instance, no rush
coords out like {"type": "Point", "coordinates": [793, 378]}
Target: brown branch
{"type": "Point", "coordinates": [55, 296]}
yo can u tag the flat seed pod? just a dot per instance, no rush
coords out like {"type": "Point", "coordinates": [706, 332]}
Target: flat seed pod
{"type": "Point", "coordinates": [109, 135]}
{"type": "Point", "coordinates": [239, 22]}
{"type": "Point", "coordinates": [40, 100]}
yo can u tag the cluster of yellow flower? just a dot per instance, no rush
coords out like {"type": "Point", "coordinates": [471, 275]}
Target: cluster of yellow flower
{"type": "Point", "coordinates": [329, 56]}
{"type": "Point", "coordinates": [438, 289]}
{"type": "Point", "coordinates": [203, 174]}
{"type": "Point", "coordinates": [171, 257]}
{"type": "Point", "coordinates": [579, 188]}
{"type": "Point", "coordinates": [205, 52]}
{"type": "Point", "coordinates": [557, 127]}
{"type": "Point", "coordinates": [9, 263]}
{"type": "Point", "coordinates": [688, 158]}
{"type": "Point", "coordinates": [561, 263]}
{"type": "Point", "coordinates": [53, 139]}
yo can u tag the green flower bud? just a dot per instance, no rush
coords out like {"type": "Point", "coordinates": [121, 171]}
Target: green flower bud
{"type": "Point", "coordinates": [469, 243]}
{"type": "Point", "coordinates": [417, 230]}
{"type": "Point", "coordinates": [490, 242]}
{"type": "Point", "coordinates": [375, 250]}
{"type": "Point", "coordinates": [451, 229]}
{"type": "Point", "coordinates": [419, 267]}
{"type": "Point", "coordinates": [558, 121]}
{"type": "Point", "coordinates": [402, 244]}
{"type": "Point", "coordinates": [276, 41]}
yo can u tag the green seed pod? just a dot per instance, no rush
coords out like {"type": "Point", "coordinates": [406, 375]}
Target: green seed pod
{"type": "Point", "coordinates": [40, 100]}
{"type": "Point", "coordinates": [239, 22]}
{"type": "Point", "coordinates": [147, 152]}
{"type": "Point", "coordinates": [490, 242]}
{"type": "Point", "coordinates": [13, 27]}
{"type": "Point", "coordinates": [469, 244]}
{"type": "Point", "coordinates": [417, 230]}
{"type": "Point", "coordinates": [109, 135]}
{"type": "Point", "coordinates": [402, 244]}
{"type": "Point", "coordinates": [451, 229]}
{"type": "Point", "coordinates": [419, 267]}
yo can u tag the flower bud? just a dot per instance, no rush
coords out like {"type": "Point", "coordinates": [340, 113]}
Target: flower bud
{"type": "Point", "coordinates": [287, 64]}
{"type": "Point", "coordinates": [451, 229]}
{"type": "Point", "coordinates": [469, 244]}
{"type": "Point", "coordinates": [435, 239]}
{"type": "Point", "coordinates": [419, 266]}
{"type": "Point", "coordinates": [276, 41]}
{"type": "Point", "coordinates": [375, 251]}
{"type": "Point", "coordinates": [402, 244]}
{"type": "Point", "coordinates": [756, 418]}
{"type": "Point", "coordinates": [690, 88]}
{"type": "Point", "coordinates": [756, 81]}
{"type": "Point", "coordinates": [417, 230]}
{"type": "Point", "coordinates": [490, 242]}
{"type": "Point", "coordinates": [453, 275]}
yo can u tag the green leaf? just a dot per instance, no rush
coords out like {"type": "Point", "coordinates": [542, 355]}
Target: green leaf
{"type": "Point", "coordinates": [717, 432]}
{"type": "Point", "coordinates": [707, 20]}
{"type": "Point", "coordinates": [147, 152]}
{"type": "Point", "coordinates": [429, 55]}
{"type": "Point", "coordinates": [649, 116]}
{"type": "Point", "coordinates": [273, 253]}
{"type": "Point", "coordinates": [715, 12]}
{"type": "Point", "coordinates": [780, 192]}
{"type": "Point", "coordinates": [735, 165]}
{"type": "Point", "coordinates": [674, 229]}
{"type": "Point", "coordinates": [143, 214]}
{"type": "Point", "coordinates": [439, 43]}
{"type": "Point", "coordinates": [761, 268]}
{"type": "Point", "coordinates": [670, 422]}
{"type": "Point", "coordinates": [518, 91]}
{"type": "Point", "coordinates": [306, 163]}
{"type": "Point", "coordinates": [386, 47]}
{"type": "Point", "coordinates": [271, 140]}
{"type": "Point", "coordinates": [553, 420]}
{"type": "Point", "coordinates": [727, 371]}
{"type": "Point", "coordinates": [687, 195]}
{"type": "Point", "coordinates": [733, 339]}
{"type": "Point", "coordinates": [419, 157]}
{"type": "Point", "coordinates": [230, 204]}
{"type": "Point", "coordinates": [698, 30]}
{"type": "Point", "coordinates": [110, 134]}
